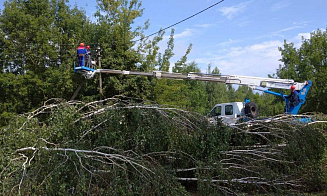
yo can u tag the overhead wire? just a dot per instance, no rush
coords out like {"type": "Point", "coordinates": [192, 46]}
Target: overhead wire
{"type": "Point", "coordinates": [170, 26]}
{"type": "Point", "coordinates": [181, 21]}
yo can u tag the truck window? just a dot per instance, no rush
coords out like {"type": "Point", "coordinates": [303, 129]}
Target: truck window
{"type": "Point", "coordinates": [216, 111]}
{"type": "Point", "coordinates": [229, 110]}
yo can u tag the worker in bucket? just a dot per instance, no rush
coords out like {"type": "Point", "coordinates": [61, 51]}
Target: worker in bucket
{"type": "Point", "coordinates": [88, 57]}
{"type": "Point", "coordinates": [81, 52]}
{"type": "Point", "coordinates": [293, 98]}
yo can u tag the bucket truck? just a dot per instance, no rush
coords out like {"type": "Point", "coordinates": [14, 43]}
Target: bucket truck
{"type": "Point", "coordinates": [229, 112]}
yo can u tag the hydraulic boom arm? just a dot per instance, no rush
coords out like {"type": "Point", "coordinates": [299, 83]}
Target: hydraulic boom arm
{"type": "Point", "coordinates": [256, 83]}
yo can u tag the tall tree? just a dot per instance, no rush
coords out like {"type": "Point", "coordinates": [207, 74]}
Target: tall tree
{"type": "Point", "coordinates": [38, 39]}
{"type": "Point", "coordinates": [180, 65]}
{"type": "Point", "coordinates": [116, 36]}
{"type": "Point", "coordinates": [309, 62]}
{"type": "Point", "coordinates": [190, 95]}
{"type": "Point", "coordinates": [149, 51]}
{"type": "Point", "coordinates": [115, 33]}
{"type": "Point", "coordinates": [197, 90]}
{"type": "Point", "coordinates": [39, 34]}
{"type": "Point", "coordinates": [164, 62]}
{"type": "Point", "coordinates": [217, 92]}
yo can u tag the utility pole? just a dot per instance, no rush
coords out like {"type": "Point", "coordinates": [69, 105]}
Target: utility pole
{"type": "Point", "coordinates": [99, 64]}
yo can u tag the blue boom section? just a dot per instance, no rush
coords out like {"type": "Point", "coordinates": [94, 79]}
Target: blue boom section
{"type": "Point", "coordinates": [82, 69]}
{"type": "Point", "coordinates": [302, 95]}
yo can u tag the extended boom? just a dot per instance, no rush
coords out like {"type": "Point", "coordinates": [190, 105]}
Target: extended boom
{"type": "Point", "coordinates": [256, 83]}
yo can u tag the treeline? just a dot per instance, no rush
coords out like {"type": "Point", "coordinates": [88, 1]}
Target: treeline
{"type": "Point", "coordinates": [38, 41]}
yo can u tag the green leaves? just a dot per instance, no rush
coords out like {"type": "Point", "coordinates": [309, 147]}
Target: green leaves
{"type": "Point", "coordinates": [35, 36]}
{"type": "Point", "coordinates": [20, 93]}
{"type": "Point", "coordinates": [309, 62]}
{"type": "Point", "coordinates": [118, 146]}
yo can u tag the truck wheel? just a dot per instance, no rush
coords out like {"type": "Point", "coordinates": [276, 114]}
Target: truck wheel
{"type": "Point", "coordinates": [251, 110]}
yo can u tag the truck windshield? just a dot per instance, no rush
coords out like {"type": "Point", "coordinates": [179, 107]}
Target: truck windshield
{"type": "Point", "coordinates": [216, 111]}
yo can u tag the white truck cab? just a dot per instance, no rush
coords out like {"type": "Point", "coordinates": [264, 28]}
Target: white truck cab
{"type": "Point", "coordinates": [230, 113]}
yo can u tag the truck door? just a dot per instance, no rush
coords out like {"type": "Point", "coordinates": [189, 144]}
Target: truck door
{"type": "Point", "coordinates": [229, 114]}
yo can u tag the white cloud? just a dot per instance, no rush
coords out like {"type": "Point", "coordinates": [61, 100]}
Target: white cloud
{"type": "Point", "coordinates": [181, 43]}
{"type": "Point", "coordinates": [264, 46]}
{"type": "Point", "coordinates": [297, 40]}
{"type": "Point", "coordinates": [281, 33]}
{"type": "Point", "coordinates": [235, 52]}
{"type": "Point", "coordinates": [185, 33]}
{"type": "Point", "coordinates": [280, 5]}
{"type": "Point", "coordinates": [204, 25]}
{"type": "Point", "coordinates": [232, 11]}
{"type": "Point", "coordinates": [228, 43]}
{"type": "Point", "coordinates": [244, 23]}
{"type": "Point", "coordinates": [303, 35]}
{"type": "Point", "coordinates": [288, 29]}
{"type": "Point", "coordinates": [258, 59]}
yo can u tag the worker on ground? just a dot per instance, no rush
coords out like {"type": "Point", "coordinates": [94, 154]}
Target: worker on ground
{"type": "Point", "coordinates": [88, 56]}
{"type": "Point", "coordinates": [293, 98]}
{"type": "Point", "coordinates": [81, 52]}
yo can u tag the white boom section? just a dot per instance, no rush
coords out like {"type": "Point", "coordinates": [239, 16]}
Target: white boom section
{"type": "Point", "coordinates": [253, 82]}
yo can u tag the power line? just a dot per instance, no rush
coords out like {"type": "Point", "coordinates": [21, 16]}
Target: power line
{"type": "Point", "coordinates": [163, 28]}
{"type": "Point", "coordinates": [182, 20]}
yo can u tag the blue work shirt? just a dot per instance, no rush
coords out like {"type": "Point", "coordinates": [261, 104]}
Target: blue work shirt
{"type": "Point", "coordinates": [81, 52]}
{"type": "Point", "coordinates": [294, 98]}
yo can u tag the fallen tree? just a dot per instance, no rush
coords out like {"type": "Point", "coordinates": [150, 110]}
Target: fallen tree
{"type": "Point", "coordinates": [121, 146]}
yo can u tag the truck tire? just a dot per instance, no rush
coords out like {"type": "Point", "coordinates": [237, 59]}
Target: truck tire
{"type": "Point", "coordinates": [251, 110]}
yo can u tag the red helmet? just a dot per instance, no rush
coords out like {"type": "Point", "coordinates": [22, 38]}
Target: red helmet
{"type": "Point", "coordinates": [88, 47]}
{"type": "Point", "coordinates": [292, 87]}
{"type": "Point", "coordinates": [81, 44]}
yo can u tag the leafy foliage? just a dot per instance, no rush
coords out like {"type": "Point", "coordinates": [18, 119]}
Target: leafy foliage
{"type": "Point", "coordinates": [118, 146]}
{"type": "Point", "coordinates": [308, 62]}
{"type": "Point", "coordinates": [44, 45]}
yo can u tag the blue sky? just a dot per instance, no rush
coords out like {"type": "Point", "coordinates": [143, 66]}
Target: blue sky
{"type": "Point", "coordinates": [240, 37]}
